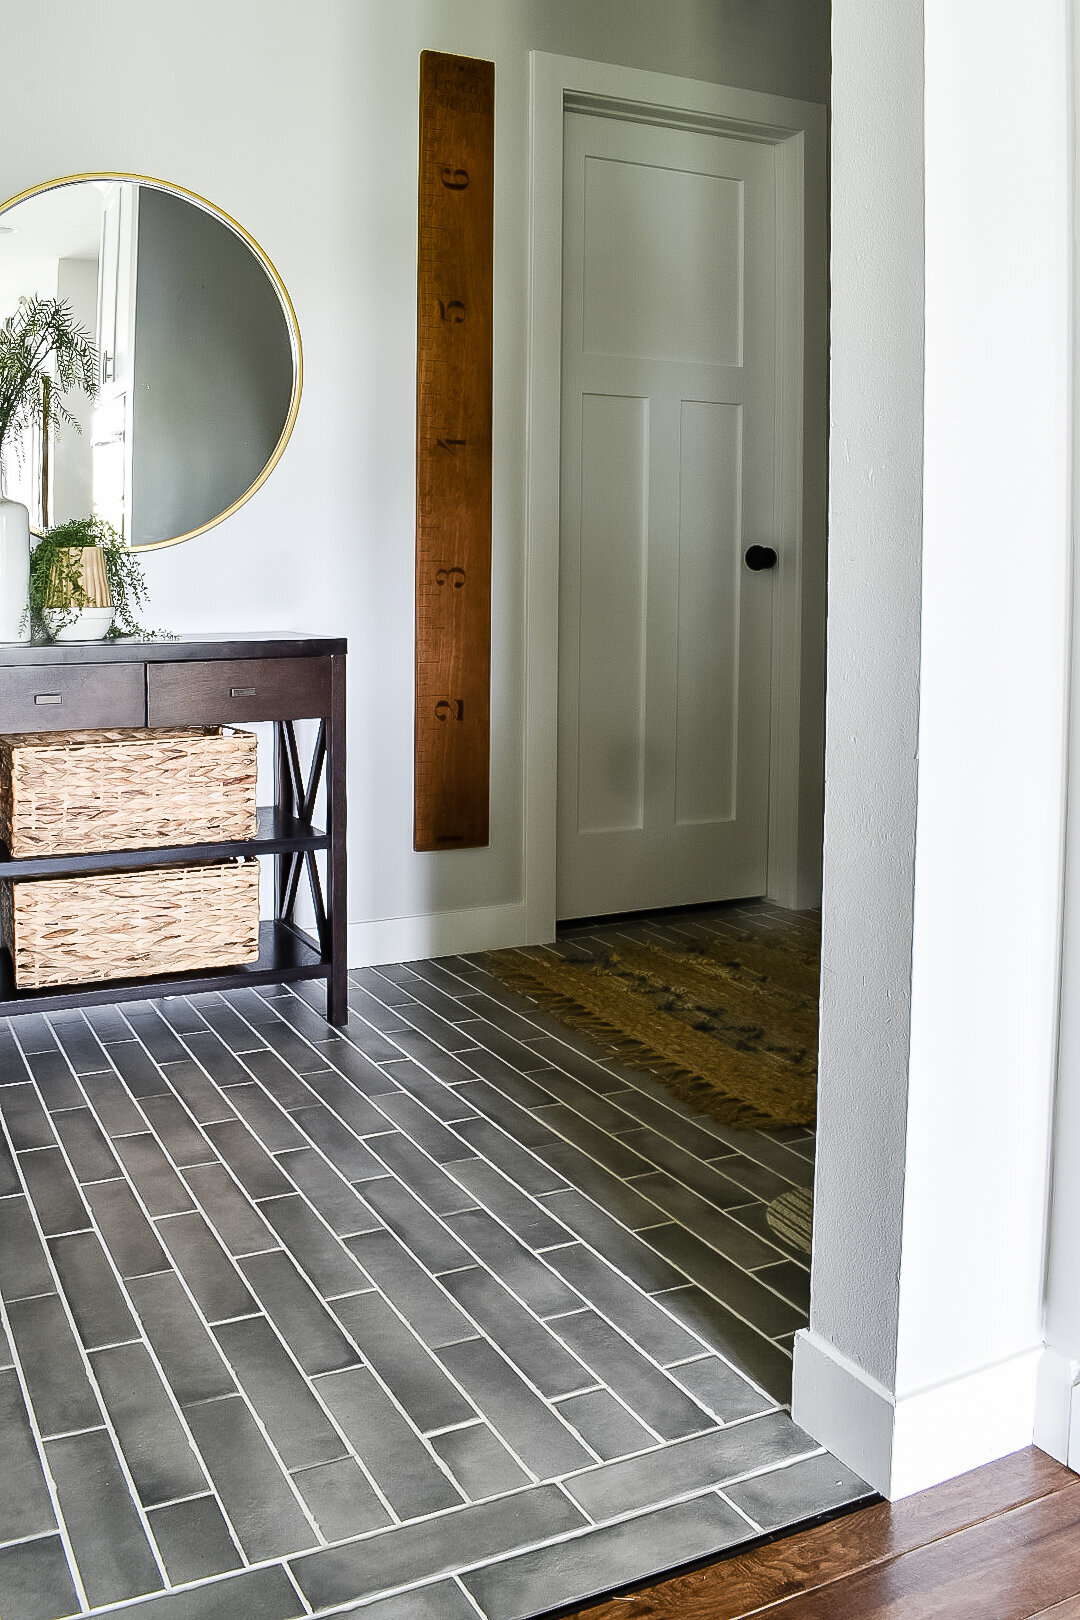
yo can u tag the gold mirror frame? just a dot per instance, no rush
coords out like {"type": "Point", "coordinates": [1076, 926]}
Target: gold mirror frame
{"type": "Point", "coordinates": [279, 287]}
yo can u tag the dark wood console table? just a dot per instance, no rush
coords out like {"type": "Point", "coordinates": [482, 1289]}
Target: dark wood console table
{"type": "Point", "coordinates": [196, 681]}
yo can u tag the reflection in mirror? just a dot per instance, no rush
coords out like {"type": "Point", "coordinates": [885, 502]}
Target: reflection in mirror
{"type": "Point", "coordinates": [199, 356]}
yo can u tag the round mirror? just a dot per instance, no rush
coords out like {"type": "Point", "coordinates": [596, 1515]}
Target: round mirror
{"type": "Point", "coordinates": [199, 356]}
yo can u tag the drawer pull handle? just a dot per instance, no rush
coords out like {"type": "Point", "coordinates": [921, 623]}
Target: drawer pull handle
{"type": "Point", "coordinates": [48, 697]}
{"type": "Point", "coordinates": [241, 691]}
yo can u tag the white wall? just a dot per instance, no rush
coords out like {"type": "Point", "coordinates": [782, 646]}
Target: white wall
{"type": "Point", "coordinates": [926, 1322]}
{"type": "Point", "coordinates": [300, 121]}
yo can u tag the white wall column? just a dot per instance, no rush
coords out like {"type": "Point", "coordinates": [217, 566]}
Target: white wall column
{"type": "Point", "coordinates": [944, 761]}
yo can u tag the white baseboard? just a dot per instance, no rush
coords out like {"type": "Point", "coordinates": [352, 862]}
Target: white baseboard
{"type": "Point", "coordinates": [1056, 1397]}
{"type": "Point", "coordinates": [445, 933]}
{"type": "Point", "coordinates": [904, 1445]}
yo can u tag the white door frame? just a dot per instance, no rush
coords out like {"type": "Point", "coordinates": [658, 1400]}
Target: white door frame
{"type": "Point", "coordinates": [798, 131]}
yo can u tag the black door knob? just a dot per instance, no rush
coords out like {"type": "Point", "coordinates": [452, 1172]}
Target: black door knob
{"type": "Point", "coordinates": [759, 557]}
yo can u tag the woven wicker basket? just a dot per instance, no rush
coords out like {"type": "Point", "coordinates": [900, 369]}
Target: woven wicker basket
{"type": "Point", "coordinates": [123, 925]}
{"type": "Point", "coordinates": [74, 792]}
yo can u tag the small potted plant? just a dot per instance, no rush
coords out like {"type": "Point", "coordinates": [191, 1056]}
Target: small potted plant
{"type": "Point", "coordinates": [44, 352]}
{"type": "Point", "coordinates": [85, 584]}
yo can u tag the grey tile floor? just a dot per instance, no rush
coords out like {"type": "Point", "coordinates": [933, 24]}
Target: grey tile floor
{"type": "Point", "coordinates": [447, 1314]}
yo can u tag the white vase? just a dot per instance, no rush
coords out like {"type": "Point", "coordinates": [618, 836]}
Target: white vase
{"type": "Point", "coordinates": [14, 570]}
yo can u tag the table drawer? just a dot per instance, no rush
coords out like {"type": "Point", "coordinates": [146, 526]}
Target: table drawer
{"type": "Point", "coordinates": [233, 690]}
{"type": "Point", "coordinates": [69, 697]}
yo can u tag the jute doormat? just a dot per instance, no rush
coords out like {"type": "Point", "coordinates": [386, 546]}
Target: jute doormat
{"type": "Point", "coordinates": [731, 1030]}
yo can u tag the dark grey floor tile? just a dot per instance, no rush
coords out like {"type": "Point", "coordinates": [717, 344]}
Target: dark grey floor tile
{"type": "Point", "coordinates": [615, 1154]}
{"type": "Point", "coordinates": [448, 1103]}
{"type": "Point", "coordinates": [155, 1447]}
{"type": "Point", "coordinates": [130, 1238]}
{"type": "Point", "coordinates": [528, 1220]}
{"type": "Point", "coordinates": [25, 1504]}
{"type": "Point", "coordinates": [650, 1327]}
{"type": "Point", "coordinates": [523, 1168]}
{"type": "Point", "coordinates": [335, 1198]}
{"type": "Point", "coordinates": [792, 1282]}
{"type": "Point", "coordinates": [522, 1339]}
{"type": "Point", "coordinates": [357, 1065]}
{"type": "Point", "coordinates": [735, 1339]}
{"type": "Point", "coordinates": [773, 1149]}
{"type": "Point", "coordinates": [804, 1489]}
{"type": "Point", "coordinates": [378, 1014]}
{"type": "Point", "coordinates": [227, 1024]}
{"type": "Point", "coordinates": [60, 1392]}
{"type": "Point", "coordinates": [156, 1181]}
{"type": "Point", "coordinates": [57, 1085]}
{"type": "Point", "coordinates": [297, 1053]}
{"type": "Point", "coordinates": [6, 1357]}
{"type": "Point", "coordinates": [135, 1064]}
{"type": "Point", "coordinates": [720, 1389]}
{"type": "Point", "coordinates": [586, 1061]}
{"type": "Point", "coordinates": [181, 1013]}
{"type": "Point", "coordinates": [428, 1239]}
{"type": "Point", "coordinates": [759, 1180]}
{"type": "Point", "coordinates": [435, 1028]}
{"type": "Point", "coordinates": [523, 1273]}
{"type": "Point", "coordinates": [54, 1195]}
{"type": "Point", "coordinates": [214, 1056]}
{"type": "Point", "coordinates": [421, 1551]}
{"type": "Point", "coordinates": [153, 1032]}
{"type": "Point", "coordinates": [421, 1049]}
{"type": "Point", "coordinates": [513, 1052]}
{"type": "Point", "coordinates": [723, 1189]}
{"type": "Point", "coordinates": [318, 1253]}
{"type": "Point", "coordinates": [739, 1290]}
{"type": "Point", "coordinates": [531, 1130]}
{"type": "Point", "coordinates": [24, 1265]}
{"type": "Point", "coordinates": [399, 1462]}
{"type": "Point", "coordinates": [605, 1424]}
{"type": "Point", "coordinates": [479, 1462]}
{"type": "Point", "coordinates": [648, 1103]}
{"type": "Point", "coordinates": [543, 1443]}
{"type": "Point", "coordinates": [265, 1593]}
{"type": "Point", "coordinates": [110, 1545]}
{"type": "Point", "coordinates": [35, 1582]}
{"type": "Point", "coordinates": [35, 1035]}
{"type": "Point", "coordinates": [341, 1498]}
{"type": "Point", "coordinates": [296, 1424]}
{"type": "Point", "coordinates": [283, 1083]}
{"type": "Point", "coordinates": [266, 1118]}
{"type": "Point", "coordinates": [615, 1556]}
{"type": "Point", "coordinates": [97, 1305]}
{"type": "Point", "coordinates": [380, 985]}
{"type": "Point", "coordinates": [182, 1139]}
{"type": "Point", "coordinates": [523, 1089]}
{"type": "Point", "coordinates": [113, 1104]}
{"type": "Point", "coordinates": [91, 1157]}
{"type": "Point", "coordinates": [9, 1178]}
{"type": "Point", "coordinates": [700, 1464]}
{"type": "Point", "coordinates": [255, 1494]}
{"type": "Point", "coordinates": [613, 1194]}
{"type": "Point", "coordinates": [442, 1601]}
{"type": "Point", "coordinates": [253, 1168]}
{"type": "Point", "coordinates": [26, 1120]}
{"type": "Point", "coordinates": [661, 1404]}
{"type": "Point", "coordinates": [347, 1101]}
{"type": "Point", "coordinates": [234, 1218]}
{"type": "Point", "coordinates": [754, 1217]}
{"type": "Point", "coordinates": [297, 1014]}
{"type": "Point", "coordinates": [721, 1231]}
{"type": "Point", "coordinates": [206, 1103]}
{"type": "Point", "coordinates": [441, 1193]}
{"type": "Point", "coordinates": [633, 1256]}
{"type": "Point", "coordinates": [187, 1353]}
{"type": "Point", "coordinates": [407, 1369]}
{"type": "Point", "coordinates": [340, 1145]}
{"type": "Point", "coordinates": [107, 1023]}
{"type": "Point", "coordinates": [218, 1291]}
{"type": "Point", "coordinates": [430, 1313]}
{"type": "Point", "coordinates": [299, 1315]}
{"type": "Point", "coordinates": [194, 1540]}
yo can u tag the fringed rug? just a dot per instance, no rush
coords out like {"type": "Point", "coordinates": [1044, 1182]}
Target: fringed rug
{"type": "Point", "coordinates": [731, 1029]}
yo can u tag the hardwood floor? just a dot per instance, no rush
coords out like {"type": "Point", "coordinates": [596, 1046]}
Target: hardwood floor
{"type": "Point", "coordinates": [1001, 1543]}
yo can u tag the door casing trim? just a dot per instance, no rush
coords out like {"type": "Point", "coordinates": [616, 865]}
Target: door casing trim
{"type": "Point", "coordinates": [798, 132]}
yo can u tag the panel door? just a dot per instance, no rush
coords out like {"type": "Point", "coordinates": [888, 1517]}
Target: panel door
{"type": "Point", "coordinates": [669, 473]}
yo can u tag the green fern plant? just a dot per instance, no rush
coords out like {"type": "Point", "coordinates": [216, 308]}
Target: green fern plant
{"type": "Point", "coordinates": [56, 593]}
{"type": "Point", "coordinates": [42, 342]}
